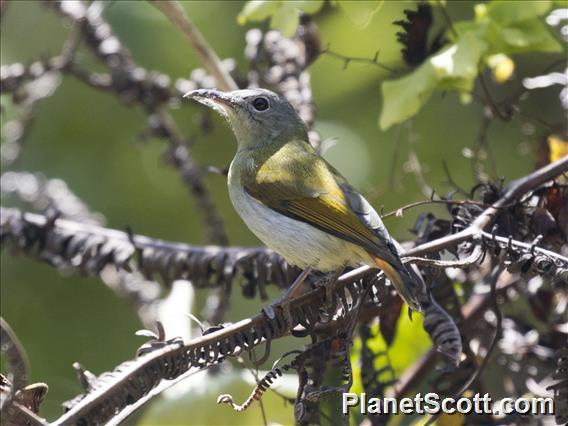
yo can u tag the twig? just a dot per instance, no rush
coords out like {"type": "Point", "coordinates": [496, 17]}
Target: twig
{"type": "Point", "coordinates": [256, 380]}
{"type": "Point", "coordinates": [166, 384]}
{"type": "Point", "coordinates": [476, 254]}
{"type": "Point", "coordinates": [177, 16]}
{"type": "Point", "coordinates": [489, 100]}
{"type": "Point", "coordinates": [514, 191]}
{"type": "Point", "coordinates": [29, 415]}
{"type": "Point", "coordinates": [199, 349]}
{"type": "Point", "coordinates": [16, 358]}
{"type": "Point", "coordinates": [348, 59]}
{"type": "Point", "coordinates": [447, 18]}
{"type": "Point", "coordinates": [398, 212]}
{"type": "Point", "coordinates": [451, 180]}
{"type": "Point", "coordinates": [180, 157]}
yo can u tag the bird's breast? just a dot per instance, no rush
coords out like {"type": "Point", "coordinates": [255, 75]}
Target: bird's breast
{"type": "Point", "coordinates": [299, 243]}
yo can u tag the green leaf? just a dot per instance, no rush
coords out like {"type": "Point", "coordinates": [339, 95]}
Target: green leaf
{"type": "Point", "coordinates": [455, 68]}
{"type": "Point", "coordinates": [404, 97]}
{"type": "Point", "coordinates": [360, 12]}
{"type": "Point", "coordinates": [257, 10]}
{"type": "Point", "coordinates": [308, 6]}
{"type": "Point", "coordinates": [530, 36]}
{"type": "Point", "coordinates": [459, 60]}
{"type": "Point", "coordinates": [286, 19]}
{"type": "Point", "coordinates": [284, 15]}
{"type": "Point", "coordinates": [508, 12]}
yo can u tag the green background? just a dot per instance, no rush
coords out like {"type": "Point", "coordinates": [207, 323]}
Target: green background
{"type": "Point", "coordinates": [90, 139]}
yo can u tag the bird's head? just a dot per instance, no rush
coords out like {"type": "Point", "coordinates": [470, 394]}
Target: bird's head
{"type": "Point", "coordinates": [257, 116]}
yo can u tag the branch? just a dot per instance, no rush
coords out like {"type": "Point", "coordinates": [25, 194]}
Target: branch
{"type": "Point", "coordinates": [177, 16]}
{"type": "Point", "coordinates": [515, 191]}
{"type": "Point", "coordinates": [16, 358]}
{"type": "Point", "coordinates": [316, 306]}
{"type": "Point", "coordinates": [150, 90]}
{"type": "Point", "coordinates": [348, 59]}
{"type": "Point", "coordinates": [45, 194]}
{"type": "Point", "coordinates": [90, 248]}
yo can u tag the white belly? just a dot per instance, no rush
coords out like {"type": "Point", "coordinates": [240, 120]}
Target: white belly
{"type": "Point", "coordinates": [299, 243]}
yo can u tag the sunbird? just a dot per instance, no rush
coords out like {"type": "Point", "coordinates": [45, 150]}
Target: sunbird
{"type": "Point", "coordinates": [294, 201]}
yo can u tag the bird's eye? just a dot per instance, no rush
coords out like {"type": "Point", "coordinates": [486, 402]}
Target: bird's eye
{"type": "Point", "coordinates": [260, 104]}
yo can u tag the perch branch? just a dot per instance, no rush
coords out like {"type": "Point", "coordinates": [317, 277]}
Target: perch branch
{"type": "Point", "coordinates": [248, 333]}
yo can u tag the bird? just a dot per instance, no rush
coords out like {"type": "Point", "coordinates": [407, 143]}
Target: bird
{"type": "Point", "coordinates": [297, 203]}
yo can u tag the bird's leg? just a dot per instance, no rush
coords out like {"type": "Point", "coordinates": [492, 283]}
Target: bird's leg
{"type": "Point", "coordinates": [328, 286]}
{"type": "Point", "coordinates": [284, 301]}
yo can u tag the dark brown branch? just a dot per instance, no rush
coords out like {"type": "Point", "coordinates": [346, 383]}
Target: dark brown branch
{"type": "Point", "coordinates": [248, 333]}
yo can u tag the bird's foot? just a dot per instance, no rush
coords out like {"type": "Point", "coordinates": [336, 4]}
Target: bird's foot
{"type": "Point", "coordinates": [283, 302]}
{"type": "Point", "coordinates": [328, 286]}
{"type": "Point", "coordinates": [284, 305]}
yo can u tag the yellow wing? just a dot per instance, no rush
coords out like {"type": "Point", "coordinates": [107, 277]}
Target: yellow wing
{"type": "Point", "coordinates": [296, 182]}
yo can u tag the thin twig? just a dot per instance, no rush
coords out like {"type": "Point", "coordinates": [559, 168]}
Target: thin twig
{"type": "Point", "coordinates": [348, 59]}
{"type": "Point", "coordinates": [476, 254]}
{"type": "Point", "coordinates": [166, 384]}
{"type": "Point", "coordinates": [16, 358]}
{"type": "Point", "coordinates": [29, 415]}
{"type": "Point", "coordinates": [489, 100]}
{"type": "Point", "coordinates": [177, 16]}
{"type": "Point", "coordinates": [398, 212]}
{"type": "Point", "coordinates": [447, 18]}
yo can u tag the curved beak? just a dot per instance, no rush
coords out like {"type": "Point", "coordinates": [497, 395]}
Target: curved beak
{"type": "Point", "coordinates": [213, 98]}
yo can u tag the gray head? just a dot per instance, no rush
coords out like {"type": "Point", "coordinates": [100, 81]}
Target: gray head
{"type": "Point", "coordinates": [257, 116]}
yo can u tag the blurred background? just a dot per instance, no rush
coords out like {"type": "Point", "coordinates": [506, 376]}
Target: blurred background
{"type": "Point", "coordinates": [93, 142]}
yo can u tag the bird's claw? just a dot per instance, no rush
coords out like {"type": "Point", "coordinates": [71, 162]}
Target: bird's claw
{"type": "Point", "coordinates": [269, 311]}
{"type": "Point", "coordinates": [282, 305]}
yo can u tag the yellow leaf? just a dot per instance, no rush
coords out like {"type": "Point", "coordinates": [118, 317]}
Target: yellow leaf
{"type": "Point", "coordinates": [558, 147]}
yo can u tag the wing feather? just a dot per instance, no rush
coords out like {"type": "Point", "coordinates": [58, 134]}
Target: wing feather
{"type": "Point", "coordinates": [298, 183]}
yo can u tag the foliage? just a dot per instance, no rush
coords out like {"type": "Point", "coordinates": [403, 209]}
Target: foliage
{"type": "Point", "coordinates": [284, 15]}
{"type": "Point", "coordinates": [497, 31]}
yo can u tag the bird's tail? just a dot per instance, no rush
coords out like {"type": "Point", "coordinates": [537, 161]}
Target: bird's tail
{"type": "Point", "coordinates": [407, 282]}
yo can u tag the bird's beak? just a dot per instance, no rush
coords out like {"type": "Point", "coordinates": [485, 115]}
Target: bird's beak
{"type": "Point", "coordinates": [213, 98]}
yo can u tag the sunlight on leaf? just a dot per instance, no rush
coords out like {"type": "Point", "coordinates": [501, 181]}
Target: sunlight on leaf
{"type": "Point", "coordinates": [455, 68]}
{"type": "Point", "coordinates": [308, 6]}
{"type": "Point", "coordinates": [499, 29]}
{"type": "Point", "coordinates": [257, 10]}
{"type": "Point", "coordinates": [460, 60]}
{"type": "Point", "coordinates": [285, 19]}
